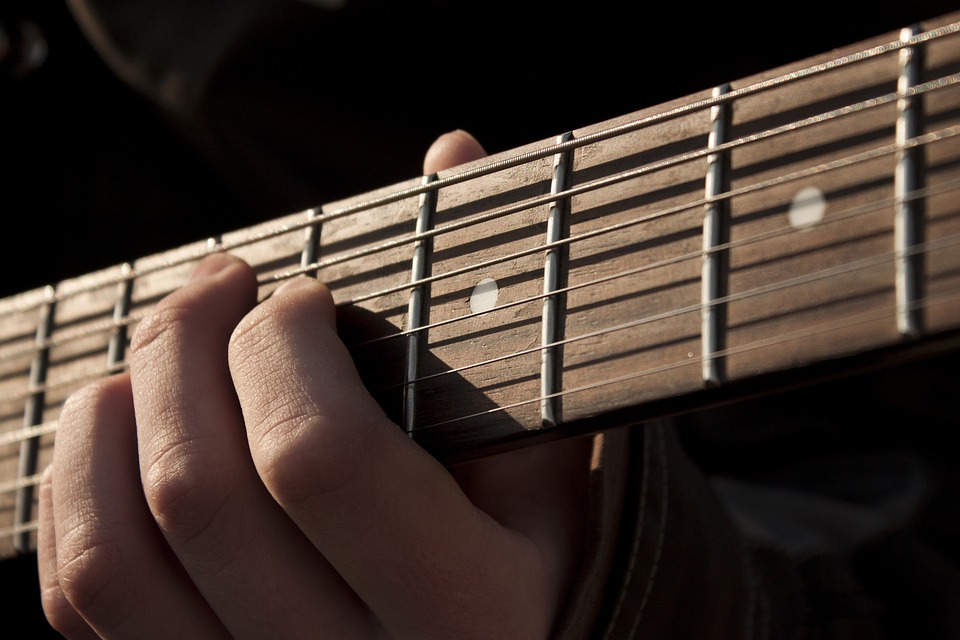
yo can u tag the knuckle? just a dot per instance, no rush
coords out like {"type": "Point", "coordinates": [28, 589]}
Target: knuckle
{"type": "Point", "coordinates": [92, 579]}
{"type": "Point", "coordinates": [89, 402]}
{"type": "Point", "coordinates": [162, 327]}
{"type": "Point", "coordinates": [60, 613]}
{"type": "Point", "coordinates": [254, 330]}
{"type": "Point", "coordinates": [184, 493]}
{"type": "Point", "coordinates": [256, 350]}
{"type": "Point", "coordinates": [301, 456]}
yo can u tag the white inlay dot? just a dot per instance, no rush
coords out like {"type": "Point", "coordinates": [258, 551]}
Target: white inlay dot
{"type": "Point", "coordinates": [807, 208]}
{"type": "Point", "coordinates": [484, 296]}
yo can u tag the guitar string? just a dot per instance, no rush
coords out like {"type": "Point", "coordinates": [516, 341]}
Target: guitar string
{"type": "Point", "coordinates": [16, 436]}
{"type": "Point", "coordinates": [856, 265]}
{"type": "Point", "coordinates": [938, 244]}
{"type": "Point", "coordinates": [860, 319]}
{"type": "Point", "coordinates": [314, 266]}
{"type": "Point", "coordinates": [519, 159]}
{"type": "Point", "coordinates": [818, 169]}
{"type": "Point", "coordinates": [846, 323]}
{"type": "Point", "coordinates": [493, 167]}
{"type": "Point", "coordinates": [593, 185]}
{"type": "Point", "coordinates": [114, 324]}
{"type": "Point", "coordinates": [835, 218]}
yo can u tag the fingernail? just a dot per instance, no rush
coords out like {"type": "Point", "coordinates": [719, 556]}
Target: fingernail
{"type": "Point", "coordinates": [293, 284]}
{"type": "Point", "coordinates": [210, 266]}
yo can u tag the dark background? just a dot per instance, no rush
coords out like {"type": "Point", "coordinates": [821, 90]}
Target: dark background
{"type": "Point", "coordinates": [94, 174]}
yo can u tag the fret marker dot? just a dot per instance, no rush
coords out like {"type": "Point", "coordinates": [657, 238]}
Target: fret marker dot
{"type": "Point", "coordinates": [484, 296]}
{"type": "Point", "coordinates": [807, 208]}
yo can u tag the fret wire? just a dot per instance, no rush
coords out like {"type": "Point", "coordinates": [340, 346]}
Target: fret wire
{"type": "Point", "coordinates": [861, 157]}
{"type": "Point", "coordinates": [66, 337]}
{"type": "Point", "coordinates": [863, 318]}
{"type": "Point", "coordinates": [715, 232]}
{"type": "Point", "coordinates": [636, 172]}
{"type": "Point", "coordinates": [555, 259]}
{"type": "Point", "coordinates": [116, 350]}
{"type": "Point", "coordinates": [416, 312]}
{"type": "Point", "coordinates": [32, 416]}
{"type": "Point", "coordinates": [856, 265]}
{"type": "Point", "coordinates": [928, 138]}
{"type": "Point", "coordinates": [834, 218]}
{"type": "Point", "coordinates": [665, 116]}
{"type": "Point", "coordinates": [610, 132]}
{"type": "Point", "coordinates": [311, 242]}
{"type": "Point", "coordinates": [931, 301]}
{"type": "Point", "coordinates": [906, 229]}
{"type": "Point", "coordinates": [910, 42]}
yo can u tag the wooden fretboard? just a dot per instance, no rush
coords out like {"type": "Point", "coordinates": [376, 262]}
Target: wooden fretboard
{"type": "Point", "coordinates": [802, 221]}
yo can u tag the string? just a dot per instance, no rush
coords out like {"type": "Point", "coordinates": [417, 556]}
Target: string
{"type": "Point", "coordinates": [820, 329]}
{"type": "Point", "coordinates": [65, 337]}
{"type": "Point", "coordinates": [74, 381]}
{"type": "Point", "coordinates": [864, 318]}
{"type": "Point", "coordinates": [879, 259]}
{"type": "Point", "coordinates": [807, 278]}
{"type": "Point", "coordinates": [519, 159]}
{"type": "Point", "coordinates": [948, 132]}
{"type": "Point", "coordinates": [9, 532]}
{"type": "Point", "coordinates": [25, 433]}
{"type": "Point", "coordinates": [835, 217]}
{"type": "Point", "coordinates": [776, 181]}
{"type": "Point", "coordinates": [453, 179]}
{"type": "Point", "coordinates": [593, 186]}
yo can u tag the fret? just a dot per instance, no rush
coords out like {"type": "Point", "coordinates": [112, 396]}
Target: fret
{"type": "Point", "coordinates": [486, 302]}
{"type": "Point", "coordinates": [906, 221]}
{"type": "Point", "coordinates": [117, 349]}
{"type": "Point", "coordinates": [311, 242]}
{"type": "Point", "coordinates": [716, 232]}
{"type": "Point", "coordinates": [417, 311]}
{"type": "Point", "coordinates": [645, 269]}
{"type": "Point", "coordinates": [553, 279]}
{"type": "Point", "coordinates": [33, 416]}
{"type": "Point", "coordinates": [803, 217]}
{"type": "Point", "coordinates": [795, 250]}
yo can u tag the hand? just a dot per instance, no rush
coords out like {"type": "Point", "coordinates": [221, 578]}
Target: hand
{"type": "Point", "coordinates": [240, 482]}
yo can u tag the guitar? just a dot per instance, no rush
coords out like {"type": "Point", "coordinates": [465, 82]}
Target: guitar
{"type": "Point", "coordinates": [790, 227]}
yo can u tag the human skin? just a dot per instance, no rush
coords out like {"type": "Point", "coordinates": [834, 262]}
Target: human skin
{"type": "Point", "coordinates": [239, 481]}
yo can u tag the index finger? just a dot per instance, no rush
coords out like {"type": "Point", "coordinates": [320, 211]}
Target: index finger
{"type": "Point", "coordinates": [388, 517]}
{"type": "Point", "coordinates": [429, 559]}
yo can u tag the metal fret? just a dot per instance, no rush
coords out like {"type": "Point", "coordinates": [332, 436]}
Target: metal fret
{"type": "Point", "coordinates": [311, 245]}
{"type": "Point", "coordinates": [416, 311]}
{"type": "Point", "coordinates": [554, 264]}
{"type": "Point", "coordinates": [715, 233]}
{"type": "Point", "coordinates": [116, 350]}
{"type": "Point", "coordinates": [33, 416]}
{"type": "Point", "coordinates": [906, 180]}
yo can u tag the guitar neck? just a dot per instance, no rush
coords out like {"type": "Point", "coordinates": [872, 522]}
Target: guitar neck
{"type": "Point", "coordinates": [796, 224]}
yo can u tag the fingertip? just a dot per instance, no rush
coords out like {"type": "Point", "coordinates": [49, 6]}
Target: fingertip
{"type": "Point", "coordinates": [213, 264]}
{"type": "Point", "coordinates": [303, 285]}
{"type": "Point", "coordinates": [300, 283]}
{"type": "Point", "coordinates": [451, 149]}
